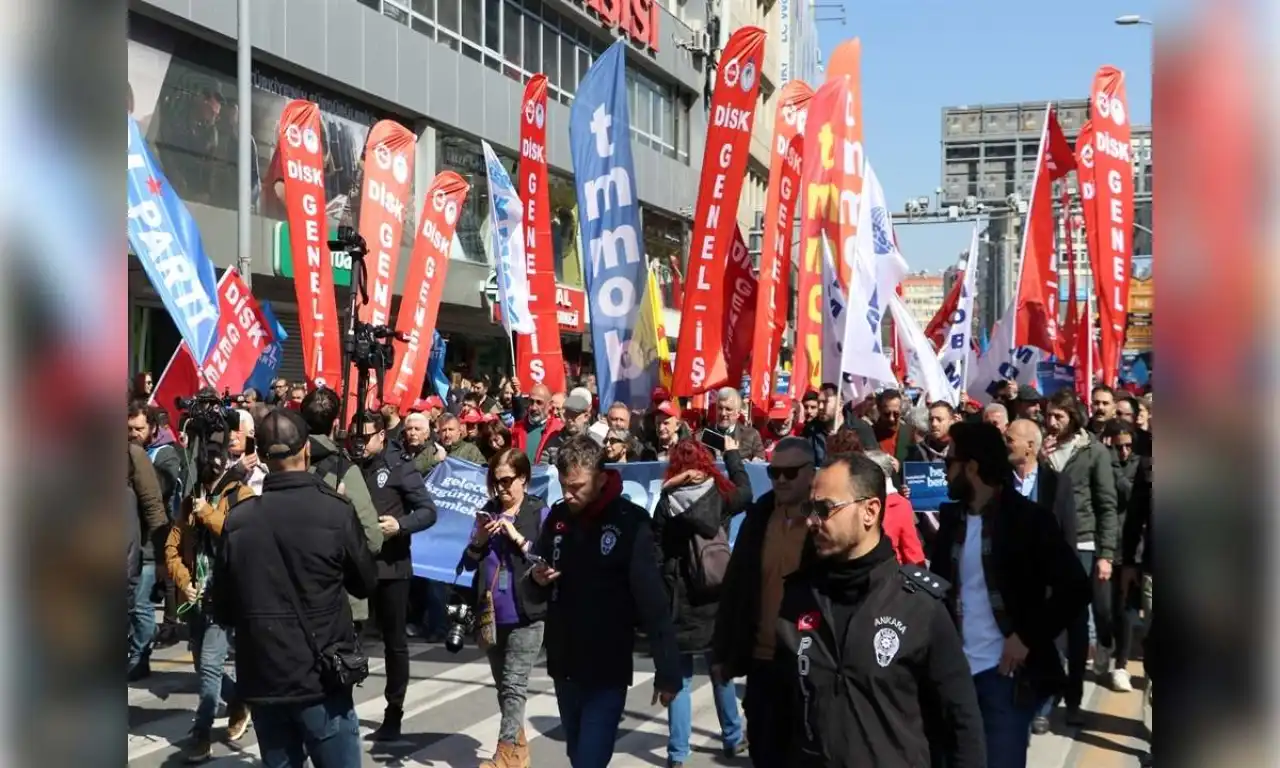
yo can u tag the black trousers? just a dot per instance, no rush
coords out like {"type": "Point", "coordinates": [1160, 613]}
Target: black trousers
{"type": "Point", "coordinates": [391, 608]}
{"type": "Point", "coordinates": [1078, 631]}
{"type": "Point", "coordinates": [768, 735]}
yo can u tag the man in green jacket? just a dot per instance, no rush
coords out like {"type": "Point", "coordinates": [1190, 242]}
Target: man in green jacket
{"type": "Point", "coordinates": [320, 410]}
{"type": "Point", "coordinates": [449, 430]}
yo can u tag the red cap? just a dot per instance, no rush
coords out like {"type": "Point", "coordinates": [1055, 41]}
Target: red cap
{"type": "Point", "coordinates": [779, 407]}
{"type": "Point", "coordinates": [659, 395]}
{"type": "Point", "coordinates": [472, 417]}
{"type": "Point", "coordinates": [668, 408]}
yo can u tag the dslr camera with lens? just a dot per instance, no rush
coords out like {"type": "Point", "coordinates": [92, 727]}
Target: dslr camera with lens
{"type": "Point", "coordinates": [462, 622]}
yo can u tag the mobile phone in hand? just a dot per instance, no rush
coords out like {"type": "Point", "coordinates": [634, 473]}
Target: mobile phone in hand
{"type": "Point", "coordinates": [537, 560]}
{"type": "Point", "coordinates": [712, 439]}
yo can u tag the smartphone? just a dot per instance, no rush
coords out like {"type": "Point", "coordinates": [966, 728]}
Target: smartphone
{"type": "Point", "coordinates": [712, 439]}
{"type": "Point", "coordinates": [484, 517]}
{"type": "Point", "coordinates": [537, 560]}
{"type": "Point", "coordinates": [250, 445]}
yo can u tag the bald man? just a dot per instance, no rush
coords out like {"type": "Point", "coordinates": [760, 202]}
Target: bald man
{"type": "Point", "coordinates": [531, 432]}
{"type": "Point", "coordinates": [1037, 481]}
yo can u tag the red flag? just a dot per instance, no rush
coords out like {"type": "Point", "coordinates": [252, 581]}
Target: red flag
{"type": "Point", "coordinates": [1067, 338]}
{"type": "Point", "coordinates": [700, 362]}
{"type": "Point", "coordinates": [740, 291]}
{"type": "Point", "coordinates": [538, 356]}
{"type": "Point", "coordinates": [243, 332]}
{"type": "Point", "coordinates": [181, 378]}
{"type": "Point", "coordinates": [424, 286]}
{"type": "Point", "coordinates": [302, 159]}
{"type": "Point", "coordinates": [819, 218]}
{"type": "Point", "coordinates": [1113, 214]}
{"type": "Point", "coordinates": [386, 198]}
{"type": "Point", "coordinates": [775, 255]}
{"type": "Point", "coordinates": [1037, 301]}
{"type": "Point", "coordinates": [940, 323]}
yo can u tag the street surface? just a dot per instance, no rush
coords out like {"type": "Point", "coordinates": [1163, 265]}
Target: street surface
{"type": "Point", "coordinates": [451, 719]}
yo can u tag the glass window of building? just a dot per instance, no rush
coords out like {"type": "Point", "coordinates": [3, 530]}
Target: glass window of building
{"type": "Point", "coordinates": [551, 55]}
{"type": "Point", "coordinates": [511, 38]}
{"type": "Point", "coordinates": [564, 230]}
{"type": "Point", "coordinates": [448, 14]}
{"type": "Point", "coordinates": [664, 247]}
{"type": "Point", "coordinates": [395, 12]}
{"type": "Point", "coordinates": [472, 26]}
{"type": "Point", "coordinates": [424, 8]}
{"type": "Point", "coordinates": [532, 45]}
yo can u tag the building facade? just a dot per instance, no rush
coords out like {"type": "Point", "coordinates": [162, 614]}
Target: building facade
{"type": "Point", "coordinates": [453, 72]}
{"type": "Point", "coordinates": [923, 292]}
{"type": "Point", "coordinates": [989, 154]}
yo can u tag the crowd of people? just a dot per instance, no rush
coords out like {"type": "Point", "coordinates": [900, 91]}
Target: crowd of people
{"type": "Point", "coordinates": [868, 632]}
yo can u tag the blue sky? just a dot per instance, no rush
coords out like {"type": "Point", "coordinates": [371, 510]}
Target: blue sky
{"type": "Point", "coordinates": [919, 56]}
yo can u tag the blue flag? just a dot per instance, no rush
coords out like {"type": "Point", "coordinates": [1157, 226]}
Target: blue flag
{"type": "Point", "coordinates": [435, 366]}
{"type": "Point", "coordinates": [269, 361]}
{"type": "Point", "coordinates": [984, 341]}
{"type": "Point", "coordinates": [167, 243]}
{"type": "Point", "coordinates": [609, 214]}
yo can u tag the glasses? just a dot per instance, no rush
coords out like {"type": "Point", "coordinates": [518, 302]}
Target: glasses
{"type": "Point", "coordinates": [505, 482]}
{"type": "Point", "coordinates": [823, 509]}
{"type": "Point", "coordinates": [1123, 446]}
{"type": "Point", "coordinates": [786, 473]}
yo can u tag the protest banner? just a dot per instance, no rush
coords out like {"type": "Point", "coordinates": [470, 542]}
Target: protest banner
{"type": "Point", "coordinates": [927, 482]}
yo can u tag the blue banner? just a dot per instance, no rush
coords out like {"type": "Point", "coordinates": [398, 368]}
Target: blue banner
{"type": "Point", "coordinates": [1053, 376]}
{"type": "Point", "coordinates": [609, 215]}
{"type": "Point", "coordinates": [458, 488]}
{"type": "Point", "coordinates": [269, 361]}
{"type": "Point", "coordinates": [167, 243]}
{"type": "Point", "coordinates": [927, 481]}
{"type": "Point", "coordinates": [435, 366]}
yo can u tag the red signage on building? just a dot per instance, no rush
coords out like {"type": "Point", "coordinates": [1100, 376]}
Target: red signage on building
{"type": "Point", "coordinates": [638, 18]}
{"type": "Point", "coordinates": [571, 306]}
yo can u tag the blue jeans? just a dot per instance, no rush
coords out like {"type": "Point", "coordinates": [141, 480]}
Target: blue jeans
{"type": "Point", "coordinates": [591, 717]}
{"type": "Point", "coordinates": [1006, 724]}
{"type": "Point", "coordinates": [210, 644]}
{"type": "Point", "coordinates": [142, 617]}
{"type": "Point", "coordinates": [327, 732]}
{"type": "Point", "coordinates": [680, 714]}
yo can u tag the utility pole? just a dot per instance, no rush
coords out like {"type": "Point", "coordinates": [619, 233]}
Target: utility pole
{"type": "Point", "coordinates": [244, 148]}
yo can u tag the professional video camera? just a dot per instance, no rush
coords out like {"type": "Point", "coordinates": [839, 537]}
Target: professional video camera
{"type": "Point", "coordinates": [367, 347]}
{"type": "Point", "coordinates": [462, 622]}
{"type": "Point", "coordinates": [206, 413]}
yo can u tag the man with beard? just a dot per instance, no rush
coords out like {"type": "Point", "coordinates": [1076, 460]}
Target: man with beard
{"type": "Point", "coordinates": [449, 429]}
{"type": "Point", "coordinates": [531, 433]}
{"type": "Point", "coordinates": [936, 444]}
{"type": "Point", "coordinates": [1017, 584]}
{"type": "Point", "coordinates": [404, 508]}
{"type": "Point", "coordinates": [874, 671]}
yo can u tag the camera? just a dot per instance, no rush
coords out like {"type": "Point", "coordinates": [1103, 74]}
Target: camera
{"type": "Point", "coordinates": [207, 413]}
{"type": "Point", "coordinates": [462, 622]}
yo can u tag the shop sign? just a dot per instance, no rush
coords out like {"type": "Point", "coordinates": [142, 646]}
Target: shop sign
{"type": "Point", "coordinates": [282, 259]}
{"type": "Point", "coordinates": [637, 18]}
{"type": "Point", "coordinates": [571, 308]}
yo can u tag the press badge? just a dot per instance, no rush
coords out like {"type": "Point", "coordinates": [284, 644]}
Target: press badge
{"type": "Point", "coordinates": [504, 580]}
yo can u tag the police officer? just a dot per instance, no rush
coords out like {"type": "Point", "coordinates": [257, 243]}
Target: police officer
{"type": "Point", "coordinates": [404, 508]}
{"type": "Point", "coordinates": [875, 672]}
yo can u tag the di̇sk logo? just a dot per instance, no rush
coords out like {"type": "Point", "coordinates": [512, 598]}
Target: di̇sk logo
{"type": "Point", "coordinates": [440, 202]}
{"type": "Point", "coordinates": [809, 622]}
{"type": "Point", "coordinates": [383, 476]}
{"type": "Point", "coordinates": [293, 135]}
{"type": "Point", "coordinates": [731, 72]}
{"type": "Point", "coordinates": [1086, 155]}
{"type": "Point", "coordinates": [748, 76]}
{"type": "Point", "coordinates": [529, 112]}
{"type": "Point", "coordinates": [383, 155]}
{"type": "Point", "coordinates": [310, 140]}
{"type": "Point", "coordinates": [539, 115]}
{"type": "Point", "coordinates": [400, 169]}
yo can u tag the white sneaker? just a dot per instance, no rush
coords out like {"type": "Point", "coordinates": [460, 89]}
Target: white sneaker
{"type": "Point", "coordinates": [1101, 661]}
{"type": "Point", "coordinates": [1120, 681]}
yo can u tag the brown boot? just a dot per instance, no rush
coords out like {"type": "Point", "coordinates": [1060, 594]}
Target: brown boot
{"type": "Point", "coordinates": [522, 750]}
{"type": "Point", "coordinates": [507, 756]}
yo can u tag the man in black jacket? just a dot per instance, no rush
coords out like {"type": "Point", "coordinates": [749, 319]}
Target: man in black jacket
{"type": "Point", "coordinates": [286, 558]}
{"type": "Point", "coordinates": [875, 671]}
{"type": "Point", "coordinates": [601, 580]}
{"type": "Point", "coordinates": [766, 551]}
{"type": "Point", "coordinates": [404, 508]}
{"type": "Point", "coordinates": [1018, 584]}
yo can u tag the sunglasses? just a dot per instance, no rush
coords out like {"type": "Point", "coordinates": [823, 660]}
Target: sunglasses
{"type": "Point", "coordinates": [506, 482]}
{"type": "Point", "coordinates": [786, 473]}
{"type": "Point", "coordinates": [823, 509]}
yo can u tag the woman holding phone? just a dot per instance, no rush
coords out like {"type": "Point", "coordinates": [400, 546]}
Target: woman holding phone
{"type": "Point", "coordinates": [511, 625]}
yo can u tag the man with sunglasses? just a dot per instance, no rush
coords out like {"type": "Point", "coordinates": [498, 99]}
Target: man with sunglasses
{"type": "Point", "coordinates": [766, 551]}
{"type": "Point", "coordinates": [875, 672]}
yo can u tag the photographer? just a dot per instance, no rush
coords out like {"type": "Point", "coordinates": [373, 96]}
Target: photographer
{"type": "Point", "coordinates": [189, 553]}
{"type": "Point", "coordinates": [404, 508]}
{"type": "Point", "coordinates": [504, 531]}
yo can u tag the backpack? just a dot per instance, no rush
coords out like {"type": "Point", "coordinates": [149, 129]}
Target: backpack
{"type": "Point", "coordinates": [179, 482]}
{"type": "Point", "coordinates": [708, 564]}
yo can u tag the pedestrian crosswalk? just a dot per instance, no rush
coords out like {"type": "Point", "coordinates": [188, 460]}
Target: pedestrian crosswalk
{"type": "Point", "coordinates": [451, 716]}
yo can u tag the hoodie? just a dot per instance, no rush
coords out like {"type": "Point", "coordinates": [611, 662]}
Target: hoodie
{"type": "Point", "coordinates": [167, 457]}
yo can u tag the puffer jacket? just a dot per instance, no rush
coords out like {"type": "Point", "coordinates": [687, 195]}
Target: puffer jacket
{"type": "Point", "coordinates": [676, 519]}
{"type": "Point", "coordinates": [1085, 462]}
{"type": "Point", "coordinates": [181, 547]}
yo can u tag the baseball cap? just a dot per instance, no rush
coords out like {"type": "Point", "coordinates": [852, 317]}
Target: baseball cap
{"type": "Point", "coordinates": [578, 401]}
{"type": "Point", "coordinates": [281, 434]}
{"type": "Point", "coordinates": [668, 408]}
{"type": "Point", "coordinates": [779, 408]}
{"type": "Point", "coordinates": [659, 395]}
{"type": "Point", "coordinates": [1028, 393]}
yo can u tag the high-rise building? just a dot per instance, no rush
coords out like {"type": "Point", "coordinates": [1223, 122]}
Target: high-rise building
{"type": "Point", "coordinates": [989, 156]}
{"type": "Point", "coordinates": [923, 292]}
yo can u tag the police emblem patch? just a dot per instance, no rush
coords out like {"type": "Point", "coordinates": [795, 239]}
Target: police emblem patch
{"type": "Point", "coordinates": [607, 542]}
{"type": "Point", "coordinates": [383, 476]}
{"type": "Point", "coordinates": [887, 644]}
